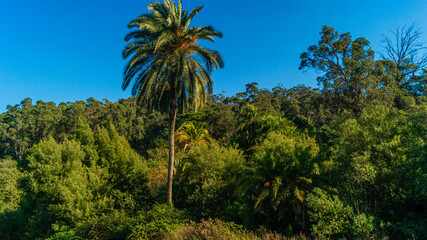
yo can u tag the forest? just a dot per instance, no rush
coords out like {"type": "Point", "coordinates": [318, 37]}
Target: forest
{"type": "Point", "coordinates": [347, 160]}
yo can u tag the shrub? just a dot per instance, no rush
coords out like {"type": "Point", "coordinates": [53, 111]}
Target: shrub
{"type": "Point", "coordinates": [215, 229]}
{"type": "Point", "coordinates": [279, 175]}
{"type": "Point", "coordinates": [207, 180]}
{"type": "Point", "coordinates": [67, 235]}
{"type": "Point", "coordinates": [331, 218]}
{"type": "Point", "coordinates": [158, 221]}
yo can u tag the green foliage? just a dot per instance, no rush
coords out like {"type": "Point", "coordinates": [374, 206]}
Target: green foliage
{"type": "Point", "coordinates": [25, 124]}
{"type": "Point", "coordinates": [171, 71]}
{"type": "Point", "coordinates": [111, 225]}
{"type": "Point", "coordinates": [334, 220]}
{"type": "Point", "coordinates": [68, 235]}
{"type": "Point", "coordinates": [255, 124]}
{"type": "Point", "coordinates": [374, 163]}
{"type": "Point", "coordinates": [351, 75]}
{"type": "Point", "coordinates": [165, 60]}
{"type": "Point", "coordinates": [62, 190]}
{"type": "Point", "coordinates": [303, 105]}
{"type": "Point", "coordinates": [216, 229]}
{"type": "Point", "coordinates": [10, 193]}
{"type": "Point", "coordinates": [278, 178]}
{"type": "Point", "coordinates": [207, 178]}
{"type": "Point", "coordinates": [209, 229]}
{"type": "Point", "coordinates": [221, 121]}
{"type": "Point", "coordinates": [70, 184]}
{"type": "Point", "coordinates": [381, 158]}
{"type": "Point", "coordinates": [382, 152]}
{"type": "Point", "coordinates": [126, 169]}
{"type": "Point", "coordinates": [158, 171]}
{"type": "Point", "coordinates": [191, 134]}
{"type": "Point", "coordinates": [158, 221]}
{"type": "Point", "coordinates": [409, 57]}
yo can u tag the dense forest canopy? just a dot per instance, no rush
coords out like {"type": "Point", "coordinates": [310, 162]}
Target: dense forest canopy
{"type": "Point", "coordinates": [346, 160]}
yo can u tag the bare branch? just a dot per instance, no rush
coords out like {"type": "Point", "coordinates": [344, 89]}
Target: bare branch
{"type": "Point", "coordinates": [406, 50]}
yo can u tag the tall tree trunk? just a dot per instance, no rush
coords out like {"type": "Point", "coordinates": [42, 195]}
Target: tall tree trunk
{"type": "Point", "coordinates": [172, 119]}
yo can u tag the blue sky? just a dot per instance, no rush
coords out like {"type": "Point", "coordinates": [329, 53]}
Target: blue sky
{"type": "Point", "coordinates": [71, 50]}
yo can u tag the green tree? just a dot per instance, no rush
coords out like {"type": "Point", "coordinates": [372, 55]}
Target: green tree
{"type": "Point", "coordinates": [25, 124]}
{"type": "Point", "coordinates": [351, 75]}
{"type": "Point", "coordinates": [256, 123]}
{"type": "Point", "coordinates": [379, 164]}
{"type": "Point", "coordinates": [10, 194]}
{"type": "Point", "coordinates": [192, 134]}
{"type": "Point", "coordinates": [208, 179]}
{"type": "Point", "coordinates": [16, 128]}
{"type": "Point", "coordinates": [73, 184]}
{"type": "Point", "coordinates": [333, 219]}
{"type": "Point", "coordinates": [303, 105]}
{"type": "Point", "coordinates": [279, 177]}
{"type": "Point", "coordinates": [171, 71]}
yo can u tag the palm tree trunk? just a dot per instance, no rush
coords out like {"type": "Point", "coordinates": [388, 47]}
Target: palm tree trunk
{"type": "Point", "coordinates": [172, 119]}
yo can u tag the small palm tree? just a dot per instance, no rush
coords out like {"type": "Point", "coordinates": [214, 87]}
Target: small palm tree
{"type": "Point", "coordinates": [170, 70]}
{"type": "Point", "coordinates": [250, 124]}
{"type": "Point", "coordinates": [190, 134]}
{"type": "Point", "coordinates": [282, 170]}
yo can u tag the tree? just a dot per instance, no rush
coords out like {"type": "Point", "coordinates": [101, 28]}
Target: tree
{"type": "Point", "coordinates": [73, 184]}
{"type": "Point", "coordinates": [255, 124]}
{"type": "Point", "coordinates": [279, 176]}
{"type": "Point", "coordinates": [410, 56]}
{"type": "Point", "coordinates": [10, 194]}
{"type": "Point", "coordinates": [301, 104]}
{"type": "Point", "coordinates": [250, 124]}
{"type": "Point", "coordinates": [171, 71]}
{"type": "Point", "coordinates": [350, 72]}
{"type": "Point", "coordinates": [192, 134]}
{"type": "Point", "coordinates": [208, 180]}
{"type": "Point", "coordinates": [333, 219]}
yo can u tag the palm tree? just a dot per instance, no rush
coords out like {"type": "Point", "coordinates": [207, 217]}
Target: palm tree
{"type": "Point", "coordinates": [250, 125]}
{"type": "Point", "coordinates": [170, 70]}
{"type": "Point", "coordinates": [255, 124]}
{"type": "Point", "coordinates": [190, 134]}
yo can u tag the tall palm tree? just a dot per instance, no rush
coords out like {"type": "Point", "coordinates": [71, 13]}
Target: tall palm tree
{"type": "Point", "coordinates": [170, 70]}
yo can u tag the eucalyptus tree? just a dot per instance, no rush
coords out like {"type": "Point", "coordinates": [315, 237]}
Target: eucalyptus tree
{"type": "Point", "coordinates": [406, 50]}
{"type": "Point", "coordinates": [351, 75]}
{"type": "Point", "coordinates": [170, 70]}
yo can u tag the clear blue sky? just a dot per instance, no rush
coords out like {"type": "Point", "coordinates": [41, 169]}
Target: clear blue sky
{"type": "Point", "coordinates": [71, 50]}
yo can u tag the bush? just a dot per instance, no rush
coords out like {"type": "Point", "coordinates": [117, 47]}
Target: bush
{"type": "Point", "coordinates": [215, 229]}
{"type": "Point", "coordinates": [279, 175]}
{"type": "Point", "coordinates": [157, 222]}
{"type": "Point", "coordinates": [331, 218]}
{"type": "Point", "coordinates": [114, 225]}
{"type": "Point", "coordinates": [68, 235]}
{"type": "Point", "coordinates": [207, 180]}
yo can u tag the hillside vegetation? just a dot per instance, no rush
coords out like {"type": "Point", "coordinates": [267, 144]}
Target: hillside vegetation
{"type": "Point", "coordinates": [345, 161]}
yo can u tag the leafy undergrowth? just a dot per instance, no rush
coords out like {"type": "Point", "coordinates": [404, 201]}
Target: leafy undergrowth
{"type": "Point", "coordinates": [165, 222]}
{"type": "Point", "coordinates": [215, 229]}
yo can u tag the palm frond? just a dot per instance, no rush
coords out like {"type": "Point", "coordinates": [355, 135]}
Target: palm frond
{"type": "Point", "coordinates": [164, 47]}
